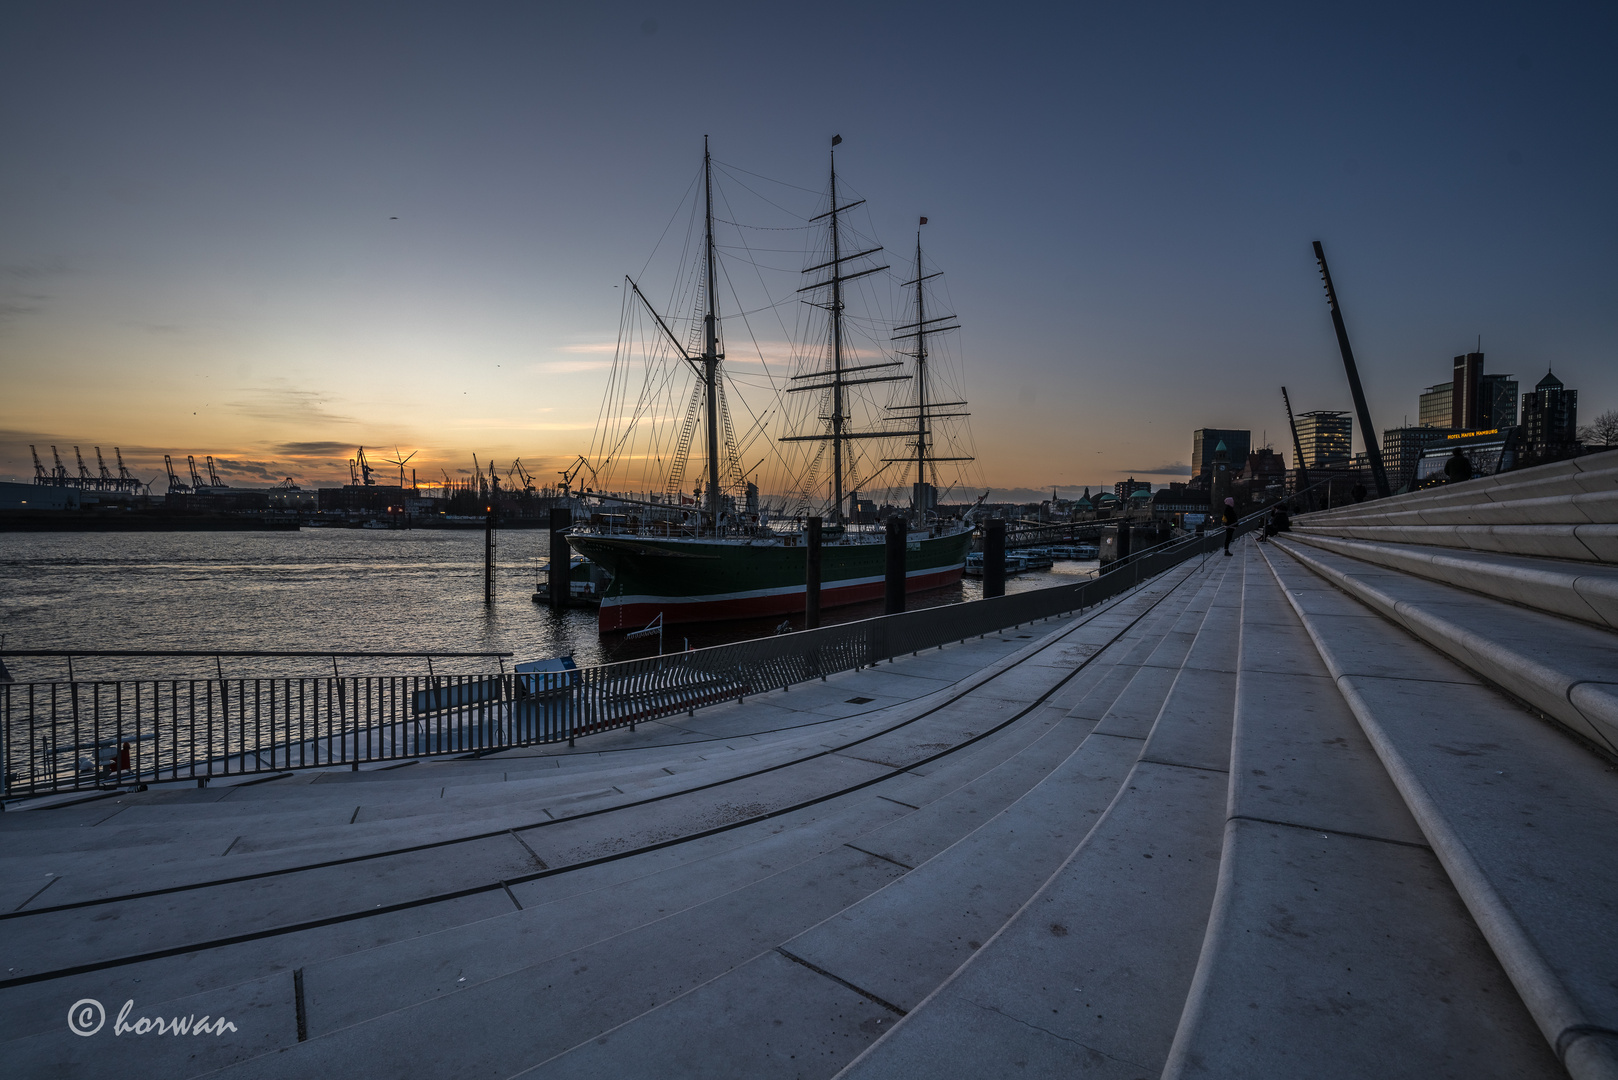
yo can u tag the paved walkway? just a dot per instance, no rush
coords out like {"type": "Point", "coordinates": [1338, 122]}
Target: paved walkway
{"type": "Point", "coordinates": [1312, 810]}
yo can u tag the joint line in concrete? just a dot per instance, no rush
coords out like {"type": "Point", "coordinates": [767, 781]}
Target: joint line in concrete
{"type": "Point", "coordinates": [532, 853]}
{"type": "Point", "coordinates": [884, 858]}
{"type": "Point", "coordinates": [866, 994]}
{"type": "Point", "coordinates": [1329, 832]}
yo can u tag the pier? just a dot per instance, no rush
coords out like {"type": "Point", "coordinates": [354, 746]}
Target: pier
{"type": "Point", "coordinates": [1339, 805]}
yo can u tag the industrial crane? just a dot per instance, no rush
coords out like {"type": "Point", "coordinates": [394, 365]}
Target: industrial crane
{"type": "Point", "coordinates": [213, 474]}
{"type": "Point", "coordinates": [85, 479]}
{"type": "Point", "coordinates": [40, 476]}
{"type": "Point", "coordinates": [196, 478]}
{"type": "Point", "coordinates": [365, 469]}
{"type": "Point", "coordinates": [175, 486]}
{"type": "Point", "coordinates": [571, 471]}
{"type": "Point", "coordinates": [106, 475]}
{"type": "Point", "coordinates": [59, 474]}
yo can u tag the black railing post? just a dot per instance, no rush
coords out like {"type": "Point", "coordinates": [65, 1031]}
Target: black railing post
{"type": "Point", "coordinates": [894, 594]}
{"type": "Point", "coordinates": [994, 558]}
{"type": "Point", "coordinates": [811, 574]}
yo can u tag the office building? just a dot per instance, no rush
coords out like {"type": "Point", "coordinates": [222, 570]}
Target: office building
{"type": "Point", "coordinates": [1435, 406]}
{"type": "Point", "coordinates": [1402, 449]}
{"type": "Point", "coordinates": [1125, 488]}
{"type": "Point", "coordinates": [1465, 390]}
{"type": "Point", "coordinates": [1550, 421]}
{"type": "Point", "coordinates": [1497, 401]}
{"type": "Point", "coordinates": [1327, 438]}
{"type": "Point", "coordinates": [1237, 445]}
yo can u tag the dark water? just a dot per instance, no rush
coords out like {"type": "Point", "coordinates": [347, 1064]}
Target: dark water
{"type": "Point", "coordinates": [320, 589]}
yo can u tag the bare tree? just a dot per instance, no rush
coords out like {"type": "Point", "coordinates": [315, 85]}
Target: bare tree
{"type": "Point", "coordinates": [1603, 431]}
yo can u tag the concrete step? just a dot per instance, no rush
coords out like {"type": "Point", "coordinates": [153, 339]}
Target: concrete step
{"type": "Point", "coordinates": [1587, 592]}
{"type": "Point", "coordinates": [1520, 815]}
{"type": "Point", "coordinates": [1566, 669]}
{"type": "Point", "coordinates": [1337, 946]}
{"type": "Point", "coordinates": [1089, 976]}
{"type": "Point", "coordinates": [1565, 510]}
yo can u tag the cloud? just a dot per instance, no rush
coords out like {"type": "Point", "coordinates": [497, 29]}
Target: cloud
{"type": "Point", "coordinates": [314, 450]}
{"type": "Point", "coordinates": [1179, 468]}
{"type": "Point", "coordinates": [569, 367]}
{"type": "Point", "coordinates": [283, 403]}
{"type": "Point", "coordinates": [609, 347]}
{"type": "Point", "coordinates": [22, 288]}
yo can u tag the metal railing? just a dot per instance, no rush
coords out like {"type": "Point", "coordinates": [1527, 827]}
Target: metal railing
{"type": "Point", "coordinates": [73, 735]}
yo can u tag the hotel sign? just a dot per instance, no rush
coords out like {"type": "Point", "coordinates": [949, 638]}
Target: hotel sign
{"type": "Point", "coordinates": [1470, 434]}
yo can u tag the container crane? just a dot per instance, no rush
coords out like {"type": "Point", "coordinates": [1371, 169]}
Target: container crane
{"type": "Point", "coordinates": [85, 479]}
{"type": "Point", "coordinates": [106, 474]}
{"type": "Point", "coordinates": [175, 486]}
{"type": "Point", "coordinates": [58, 474]}
{"type": "Point", "coordinates": [196, 478]}
{"type": "Point", "coordinates": [40, 476]}
{"type": "Point", "coordinates": [213, 474]}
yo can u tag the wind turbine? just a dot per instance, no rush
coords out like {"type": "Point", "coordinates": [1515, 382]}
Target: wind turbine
{"type": "Point", "coordinates": [401, 462]}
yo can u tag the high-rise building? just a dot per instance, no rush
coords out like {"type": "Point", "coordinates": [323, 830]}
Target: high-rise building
{"type": "Point", "coordinates": [1203, 441]}
{"type": "Point", "coordinates": [1327, 438]}
{"type": "Point", "coordinates": [1465, 391]}
{"type": "Point", "coordinates": [1435, 406]}
{"type": "Point", "coordinates": [1497, 402]}
{"type": "Point", "coordinates": [1401, 450]}
{"type": "Point", "coordinates": [1550, 420]}
{"type": "Point", "coordinates": [1125, 488]}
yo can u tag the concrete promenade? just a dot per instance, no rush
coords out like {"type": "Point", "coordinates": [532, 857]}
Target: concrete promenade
{"type": "Point", "coordinates": [1341, 805]}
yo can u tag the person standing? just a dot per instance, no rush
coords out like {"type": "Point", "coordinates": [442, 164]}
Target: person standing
{"type": "Point", "coordinates": [1228, 517]}
{"type": "Point", "coordinates": [1458, 468]}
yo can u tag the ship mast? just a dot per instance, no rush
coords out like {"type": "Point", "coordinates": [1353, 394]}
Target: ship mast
{"type": "Point", "coordinates": [924, 414]}
{"type": "Point", "coordinates": [710, 354]}
{"type": "Point", "coordinates": [837, 375]}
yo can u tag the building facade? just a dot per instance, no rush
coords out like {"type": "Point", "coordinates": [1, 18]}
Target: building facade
{"type": "Point", "coordinates": [1203, 440]}
{"type": "Point", "coordinates": [1436, 406]}
{"type": "Point", "coordinates": [1550, 422]}
{"type": "Point", "coordinates": [1327, 438]}
{"type": "Point", "coordinates": [1402, 449]}
{"type": "Point", "coordinates": [1125, 488]}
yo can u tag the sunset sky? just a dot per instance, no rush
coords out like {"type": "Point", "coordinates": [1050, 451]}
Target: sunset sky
{"type": "Point", "coordinates": [273, 233]}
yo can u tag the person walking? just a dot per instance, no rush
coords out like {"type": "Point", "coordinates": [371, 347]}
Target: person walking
{"type": "Point", "coordinates": [1228, 518]}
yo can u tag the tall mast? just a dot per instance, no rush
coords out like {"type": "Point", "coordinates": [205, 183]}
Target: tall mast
{"type": "Point", "coordinates": [710, 353]}
{"type": "Point", "coordinates": [836, 353]}
{"type": "Point", "coordinates": [917, 499]}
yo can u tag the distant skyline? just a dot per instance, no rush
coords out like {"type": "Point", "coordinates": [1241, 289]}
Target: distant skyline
{"type": "Point", "coordinates": [273, 235]}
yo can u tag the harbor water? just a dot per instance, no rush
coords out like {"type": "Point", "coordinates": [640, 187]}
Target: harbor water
{"type": "Point", "coordinates": [325, 589]}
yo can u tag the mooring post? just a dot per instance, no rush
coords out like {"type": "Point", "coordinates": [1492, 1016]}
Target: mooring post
{"type": "Point", "coordinates": [561, 521]}
{"type": "Point", "coordinates": [898, 536]}
{"type": "Point", "coordinates": [488, 557]}
{"type": "Point", "coordinates": [994, 558]}
{"type": "Point", "coordinates": [811, 574]}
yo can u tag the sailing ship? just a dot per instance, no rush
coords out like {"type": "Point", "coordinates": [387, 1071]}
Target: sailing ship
{"type": "Point", "coordinates": [719, 560]}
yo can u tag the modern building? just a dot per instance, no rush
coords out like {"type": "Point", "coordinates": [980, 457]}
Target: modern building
{"type": "Point", "coordinates": [1327, 438]}
{"type": "Point", "coordinates": [1402, 448]}
{"type": "Point", "coordinates": [1550, 422]}
{"type": "Point", "coordinates": [1497, 401]}
{"type": "Point", "coordinates": [1203, 440]}
{"type": "Point", "coordinates": [1488, 451]}
{"type": "Point", "coordinates": [1465, 391]}
{"type": "Point", "coordinates": [1125, 488]}
{"type": "Point", "coordinates": [1436, 406]}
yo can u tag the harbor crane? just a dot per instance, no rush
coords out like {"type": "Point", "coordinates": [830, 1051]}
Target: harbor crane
{"type": "Point", "coordinates": [523, 474]}
{"type": "Point", "coordinates": [106, 474]}
{"type": "Point", "coordinates": [59, 474]}
{"type": "Point", "coordinates": [85, 479]}
{"type": "Point", "coordinates": [365, 469]}
{"type": "Point", "coordinates": [175, 486]}
{"type": "Point", "coordinates": [213, 474]}
{"type": "Point", "coordinates": [40, 475]}
{"type": "Point", "coordinates": [571, 471]}
{"type": "Point", "coordinates": [123, 471]}
{"type": "Point", "coordinates": [196, 478]}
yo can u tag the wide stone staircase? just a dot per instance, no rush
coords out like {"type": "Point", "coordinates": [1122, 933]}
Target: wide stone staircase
{"type": "Point", "coordinates": [1341, 805]}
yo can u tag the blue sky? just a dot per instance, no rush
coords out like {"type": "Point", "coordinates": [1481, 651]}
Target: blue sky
{"type": "Point", "coordinates": [272, 233]}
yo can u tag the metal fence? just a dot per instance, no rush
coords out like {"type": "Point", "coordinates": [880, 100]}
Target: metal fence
{"type": "Point", "coordinates": [87, 734]}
